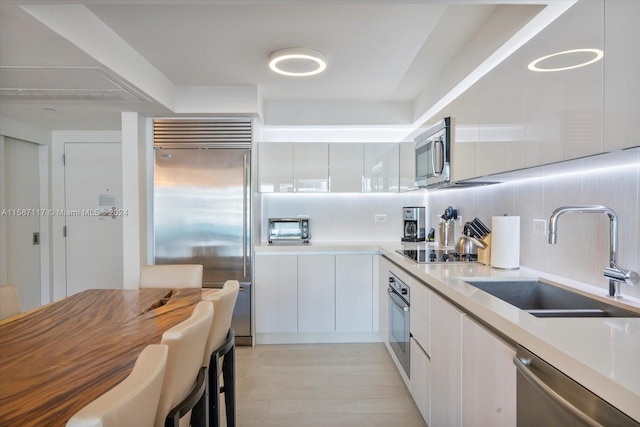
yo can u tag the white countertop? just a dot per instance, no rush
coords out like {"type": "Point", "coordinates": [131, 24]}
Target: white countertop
{"type": "Point", "coordinates": [310, 248]}
{"type": "Point", "coordinates": [602, 354]}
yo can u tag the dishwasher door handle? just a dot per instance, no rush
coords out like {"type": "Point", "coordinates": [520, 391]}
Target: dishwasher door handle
{"type": "Point", "coordinates": [523, 367]}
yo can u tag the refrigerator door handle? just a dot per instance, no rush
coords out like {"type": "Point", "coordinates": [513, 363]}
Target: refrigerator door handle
{"type": "Point", "coordinates": [244, 216]}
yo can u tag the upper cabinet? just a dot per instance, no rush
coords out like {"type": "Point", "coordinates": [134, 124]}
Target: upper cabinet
{"type": "Point", "coordinates": [286, 167]}
{"type": "Point", "coordinates": [621, 71]}
{"type": "Point", "coordinates": [335, 167]}
{"type": "Point", "coordinates": [346, 167]}
{"type": "Point", "coordinates": [381, 167]}
{"type": "Point", "coordinates": [515, 117]}
{"type": "Point", "coordinates": [275, 167]}
{"type": "Point", "coordinates": [564, 108]}
{"type": "Point", "coordinates": [311, 167]}
{"type": "Point", "coordinates": [407, 166]}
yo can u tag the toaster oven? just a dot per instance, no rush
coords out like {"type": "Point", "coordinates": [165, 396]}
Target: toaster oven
{"type": "Point", "coordinates": [289, 230]}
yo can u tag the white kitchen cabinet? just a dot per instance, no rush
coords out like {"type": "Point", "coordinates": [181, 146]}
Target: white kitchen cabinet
{"type": "Point", "coordinates": [488, 378]}
{"type": "Point", "coordinates": [286, 167]}
{"type": "Point", "coordinates": [335, 167]}
{"type": "Point", "coordinates": [421, 380]}
{"type": "Point", "coordinates": [346, 167]}
{"type": "Point", "coordinates": [315, 298]}
{"type": "Point", "coordinates": [316, 293]}
{"type": "Point", "coordinates": [311, 167]}
{"type": "Point", "coordinates": [354, 293]}
{"type": "Point", "coordinates": [276, 293]}
{"type": "Point", "coordinates": [407, 166]}
{"type": "Point", "coordinates": [621, 71]}
{"type": "Point", "coordinates": [564, 109]}
{"type": "Point", "coordinates": [382, 167]}
{"type": "Point", "coordinates": [275, 167]}
{"type": "Point", "coordinates": [384, 265]}
{"type": "Point", "coordinates": [446, 371]}
{"type": "Point", "coordinates": [514, 118]}
{"type": "Point", "coordinates": [487, 123]}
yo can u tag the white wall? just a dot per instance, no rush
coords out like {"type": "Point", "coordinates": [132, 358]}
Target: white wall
{"type": "Point", "coordinates": [582, 250]}
{"type": "Point", "coordinates": [343, 217]}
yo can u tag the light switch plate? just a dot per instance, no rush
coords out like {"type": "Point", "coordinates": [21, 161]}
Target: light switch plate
{"type": "Point", "coordinates": [539, 227]}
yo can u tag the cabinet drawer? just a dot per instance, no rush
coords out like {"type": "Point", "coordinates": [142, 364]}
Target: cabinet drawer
{"type": "Point", "coordinates": [420, 330]}
{"type": "Point", "coordinates": [421, 380]}
{"type": "Point", "coordinates": [421, 299]}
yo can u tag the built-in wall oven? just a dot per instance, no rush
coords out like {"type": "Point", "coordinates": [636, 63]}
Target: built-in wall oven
{"type": "Point", "coordinates": [399, 315]}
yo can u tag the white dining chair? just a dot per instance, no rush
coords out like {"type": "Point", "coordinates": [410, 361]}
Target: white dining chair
{"type": "Point", "coordinates": [171, 276]}
{"type": "Point", "coordinates": [9, 302]}
{"type": "Point", "coordinates": [219, 356]}
{"type": "Point", "coordinates": [184, 382]}
{"type": "Point", "coordinates": [134, 401]}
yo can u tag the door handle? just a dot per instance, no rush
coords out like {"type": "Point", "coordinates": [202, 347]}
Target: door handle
{"type": "Point", "coordinates": [522, 365]}
{"type": "Point", "coordinates": [394, 299]}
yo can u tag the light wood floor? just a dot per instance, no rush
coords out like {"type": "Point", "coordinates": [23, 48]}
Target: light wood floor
{"type": "Point", "coordinates": [321, 385]}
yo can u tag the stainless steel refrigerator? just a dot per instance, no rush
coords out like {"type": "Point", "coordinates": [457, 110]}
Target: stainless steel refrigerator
{"type": "Point", "coordinates": [202, 215]}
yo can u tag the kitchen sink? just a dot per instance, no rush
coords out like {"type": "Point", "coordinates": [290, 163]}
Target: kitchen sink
{"type": "Point", "coordinates": [544, 300]}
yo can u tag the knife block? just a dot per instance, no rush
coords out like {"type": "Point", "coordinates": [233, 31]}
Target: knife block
{"type": "Point", "coordinates": [484, 255]}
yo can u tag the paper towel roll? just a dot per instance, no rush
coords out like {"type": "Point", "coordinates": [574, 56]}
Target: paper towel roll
{"type": "Point", "coordinates": [505, 242]}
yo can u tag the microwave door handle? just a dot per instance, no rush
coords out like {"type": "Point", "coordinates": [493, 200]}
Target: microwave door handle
{"type": "Point", "coordinates": [438, 171]}
{"type": "Point", "coordinates": [433, 160]}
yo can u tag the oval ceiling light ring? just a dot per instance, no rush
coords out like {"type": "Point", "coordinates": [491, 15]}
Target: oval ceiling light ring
{"type": "Point", "coordinates": [533, 66]}
{"type": "Point", "coordinates": [279, 59]}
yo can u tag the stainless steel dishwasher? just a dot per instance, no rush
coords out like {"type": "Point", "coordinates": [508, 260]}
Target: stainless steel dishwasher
{"type": "Point", "coordinates": [547, 397]}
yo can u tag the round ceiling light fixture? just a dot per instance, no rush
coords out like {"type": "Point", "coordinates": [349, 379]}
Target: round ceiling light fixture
{"type": "Point", "coordinates": [297, 62]}
{"type": "Point", "coordinates": [597, 55]}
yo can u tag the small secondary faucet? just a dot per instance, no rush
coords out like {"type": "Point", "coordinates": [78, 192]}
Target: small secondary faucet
{"type": "Point", "coordinates": [613, 272]}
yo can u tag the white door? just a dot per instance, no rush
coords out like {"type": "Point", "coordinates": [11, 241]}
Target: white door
{"type": "Point", "coordinates": [93, 190]}
{"type": "Point", "coordinates": [21, 213]}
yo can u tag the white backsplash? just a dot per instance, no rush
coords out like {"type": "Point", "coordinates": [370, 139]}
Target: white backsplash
{"type": "Point", "coordinates": [582, 250]}
{"type": "Point", "coordinates": [343, 217]}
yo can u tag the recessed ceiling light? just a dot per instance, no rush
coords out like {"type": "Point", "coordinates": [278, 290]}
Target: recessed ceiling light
{"type": "Point", "coordinates": [597, 55]}
{"type": "Point", "coordinates": [297, 62]}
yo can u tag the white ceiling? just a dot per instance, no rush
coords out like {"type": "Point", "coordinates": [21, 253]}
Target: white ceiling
{"type": "Point", "coordinates": [389, 62]}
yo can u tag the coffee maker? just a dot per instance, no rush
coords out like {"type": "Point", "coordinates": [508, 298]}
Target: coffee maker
{"type": "Point", "coordinates": [414, 219]}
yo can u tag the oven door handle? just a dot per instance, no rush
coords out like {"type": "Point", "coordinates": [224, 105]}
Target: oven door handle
{"type": "Point", "coordinates": [396, 300]}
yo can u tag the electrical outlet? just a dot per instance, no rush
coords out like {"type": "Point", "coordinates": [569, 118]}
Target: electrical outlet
{"type": "Point", "coordinates": [539, 227]}
{"type": "Point", "coordinates": [380, 218]}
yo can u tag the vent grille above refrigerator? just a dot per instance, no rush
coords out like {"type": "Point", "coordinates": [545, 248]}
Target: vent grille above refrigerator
{"type": "Point", "coordinates": [202, 133]}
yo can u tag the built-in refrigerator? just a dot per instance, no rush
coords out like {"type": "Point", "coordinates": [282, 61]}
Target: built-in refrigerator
{"type": "Point", "coordinates": [202, 205]}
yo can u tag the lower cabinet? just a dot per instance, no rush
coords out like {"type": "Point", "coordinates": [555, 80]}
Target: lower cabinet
{"type": "Point", "coordinates": [488, 378]}
{"type": "Point", "coordinates": [461, 373]}
{"type": "Point", "coordinates": [446, 354]}
{"type": "Point", "coordinates": [276, 293]}
{"type": "Point", "coordinates": [314, 294]}
{"type": "Point", "coordinates": [354, 293]}
{"type": "Point", "coordinates": [421, 380]}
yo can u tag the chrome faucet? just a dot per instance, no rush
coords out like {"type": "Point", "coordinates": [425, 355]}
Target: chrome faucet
{"type": "Point", "coordinates": [613, 272]}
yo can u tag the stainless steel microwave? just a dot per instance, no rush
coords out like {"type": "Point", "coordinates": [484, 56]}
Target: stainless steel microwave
{"type": "Point", "coordinates": [289, 230]}
{"type": "Point", "coordinates": [433, 155]}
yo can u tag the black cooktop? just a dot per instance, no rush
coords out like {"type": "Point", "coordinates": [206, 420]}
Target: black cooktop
{"type": "Point", "coordinates": [426, 256]}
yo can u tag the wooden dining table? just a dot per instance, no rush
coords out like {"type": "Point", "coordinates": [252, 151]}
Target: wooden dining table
{"type": "Point", "coordinates": [57, 358]}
